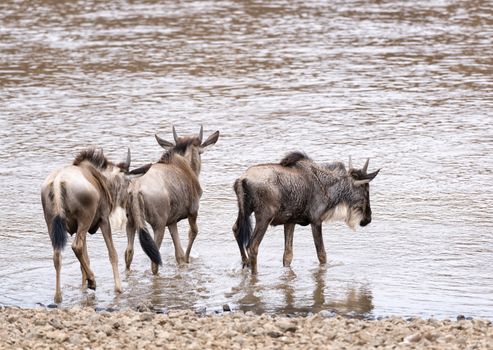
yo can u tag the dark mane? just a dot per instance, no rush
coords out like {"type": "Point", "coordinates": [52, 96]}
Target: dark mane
{"type": "Point", "coordinates": [93, 155]}
{"type": "Point", "coordinates": [167, 156]}
{"type": "Point", "coordinates": [182, 144]}
{"type": "Point", "coordinates": [292, 158]}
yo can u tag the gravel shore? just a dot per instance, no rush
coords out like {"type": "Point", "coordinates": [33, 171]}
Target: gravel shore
{"type": "Point", "coordinates": [78, 328]}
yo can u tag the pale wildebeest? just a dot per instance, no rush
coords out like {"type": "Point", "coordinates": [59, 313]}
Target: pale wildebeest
{"type": "Point", "coordinates": [168, 192]}
{"type": "Point", "coordinates": [80, 198]}
{"type": "Point", "coordinates": [298, 191]}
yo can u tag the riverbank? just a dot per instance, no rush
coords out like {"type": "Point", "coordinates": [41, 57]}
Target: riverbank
{"type": "Point", "coordinates": [85, 328]}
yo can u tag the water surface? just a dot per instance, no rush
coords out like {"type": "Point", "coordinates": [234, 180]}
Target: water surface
{"type": "Point", "coordinates": [408, 84]}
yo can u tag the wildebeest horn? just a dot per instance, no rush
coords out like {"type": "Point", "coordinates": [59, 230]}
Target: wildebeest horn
{"type": "Point", "coordinates": [175, 135]}
{"type": "Point", "coordinates": [201, 133]}
{"type": "Point", "coordinates": [127, 161]}
{"type": "Point", "coordinates": [350, 163]}
{"type": "Point", "coordinates": [365, 167]}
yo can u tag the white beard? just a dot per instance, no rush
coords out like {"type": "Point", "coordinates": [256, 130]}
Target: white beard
{"type": "Point", "coordinates": [341, 212]}
{"type": "Point", "coordinates": [118, 219]}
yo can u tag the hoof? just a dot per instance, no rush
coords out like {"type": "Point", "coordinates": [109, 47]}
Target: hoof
{"type": "Point", "coordinates": [91, 284]}
{"type": "Point", "coordinates": [154, 269]}
{"type": "Point", "coordinates": [58, 298]}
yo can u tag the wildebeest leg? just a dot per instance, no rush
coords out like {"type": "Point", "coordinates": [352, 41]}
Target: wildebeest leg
{"type": "Point", "coordinates": [261, 224]}
{"type": "Point", "coordinates": [129, 252]}
{"type": "Point", "coordinates": [86, 256]}
{"type": "Point", "coordinates": [179, 254]}
{"type": "Point", "coordinates": [78, 248]}
{"type": "Point", "coordinates": [108, 239]}
{"type": "Point", "coordinates": [158, 238]}
{"type": "Point", "coordinates": [236, 231]}
{"type": "Point", "coordinates": [192, 234]}
{"type": "Point", "coordinates": [319, 243]}
{"type": "Point", "coordinates": [57, 261]}
{"type": "Point", "coordinates": [288, 244]}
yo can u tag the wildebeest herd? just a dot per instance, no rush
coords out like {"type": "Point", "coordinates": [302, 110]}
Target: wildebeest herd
{"type": "Point", "coordinates": [94, 192]}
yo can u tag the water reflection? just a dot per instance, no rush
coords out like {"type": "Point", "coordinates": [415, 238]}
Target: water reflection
{"type": "Point", "coordinates": [355, 300]}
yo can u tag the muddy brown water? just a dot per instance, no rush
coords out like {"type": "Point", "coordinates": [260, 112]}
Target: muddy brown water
{"type": "Point", "coordinates": [409, 84]}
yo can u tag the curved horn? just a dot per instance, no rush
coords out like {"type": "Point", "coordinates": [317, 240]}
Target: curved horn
{"type": "Point", "coordinates": [175, 135]}
{"type": "Point", "coordinates": [201, 133]}
{"type": "Point", "coordinates": [127, 161]}
{"type": "Point", "coordinates": [350, 163]}
{"type": "Point", "coordinates": [365, 167]}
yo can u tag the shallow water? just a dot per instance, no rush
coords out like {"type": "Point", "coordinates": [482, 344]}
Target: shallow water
{"type": "Point", "coordinates": [409, 84]}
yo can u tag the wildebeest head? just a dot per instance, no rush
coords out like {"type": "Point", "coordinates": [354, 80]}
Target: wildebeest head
{"type": "Point", "coordinates": [359, 202]}
{"type": "Point", "coordinates": [190, 147]}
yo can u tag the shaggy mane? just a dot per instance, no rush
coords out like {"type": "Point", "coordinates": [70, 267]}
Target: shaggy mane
{"type": "Point", "coordinates": [94, 156]}
{"type": "Point", "coordinates": [291, 159]}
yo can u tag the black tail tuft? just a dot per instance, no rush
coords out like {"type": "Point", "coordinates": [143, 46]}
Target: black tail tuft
{"type": "Point", "coordinates": [245, 225]}
{"type": "Point", "coordinates": [149, 246]}
{"type": "Point", "coordinates": [58, 233]}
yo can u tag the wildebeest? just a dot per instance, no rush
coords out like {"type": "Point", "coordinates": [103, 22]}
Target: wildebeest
{"type": "Point", "coordinates": [80, 198]}
{"type": "Point", "coordinates": [168, 192]}
{"type": "Point", "coordinates": [298, 191]}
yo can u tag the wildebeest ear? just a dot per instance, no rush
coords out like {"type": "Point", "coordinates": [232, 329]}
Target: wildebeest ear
{"type": "Point", "coordinates": [211, 140]}
{"type": "Point", "coordinates": [163, 143]}
{"type": "Point", "coordinates": [141, 170]}
{"type": "Point", "coordinates": [366, 179]}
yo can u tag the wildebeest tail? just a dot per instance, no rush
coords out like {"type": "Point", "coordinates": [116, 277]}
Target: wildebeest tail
{"type": "Point", "coordinates": [244, 211]}
{"type": "Point", "coordinates": [146, 242]}
{"type": "Point", "coordinates": [58, 232]}
{"type": "Point", "coordinates": [149, 246]}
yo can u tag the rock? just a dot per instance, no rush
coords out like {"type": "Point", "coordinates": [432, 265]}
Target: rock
{"type": "Point", "coordinates": [413, 338]}
{"type": "Point", "coordinates": [147, 316]}
{"type": "Point", "coordinates": [52, 306]}
{"type": "Point", "coordinates": [55, 323]}
{"type": "Point", "coordinates": [226, 308]}
{"type": "Point", "coordinates": [461, 317]}
{"type": "Point", "coordinates": [327, 314]}
{"type": "Point", "coordinates": [274, 334]}
{"type": "Point", "coordinates": [286, 326]}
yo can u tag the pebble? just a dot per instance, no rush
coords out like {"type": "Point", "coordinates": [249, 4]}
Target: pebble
{"type": "Point", "coordinates": [185, 329]}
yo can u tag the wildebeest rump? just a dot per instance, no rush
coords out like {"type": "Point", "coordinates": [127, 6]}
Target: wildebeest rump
{"type": "Point", "coordinates": [80, 198]}
{"type": "Point", "coordinates": [298, 191]}
{"type": "Point", "coordinates": [168, 192]}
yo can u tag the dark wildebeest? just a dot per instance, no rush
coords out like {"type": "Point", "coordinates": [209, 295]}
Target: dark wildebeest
{"type": "Point", "coordinates": [298, 191]}
{"type": "Point", "coordinates": [80, 198]}
{"type": "Point", "coordinates": [168, 192]}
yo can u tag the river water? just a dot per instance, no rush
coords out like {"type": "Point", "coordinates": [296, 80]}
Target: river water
{"type": "Point", "coordinates": [408, 84]}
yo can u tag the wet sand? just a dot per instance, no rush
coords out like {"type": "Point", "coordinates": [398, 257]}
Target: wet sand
{"type": "Point", "coordinates": [86, 328]}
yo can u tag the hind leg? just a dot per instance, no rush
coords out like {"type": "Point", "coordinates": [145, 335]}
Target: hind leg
{"type": "Point", "coordinates": [129, 251]}
{"type": "Point", "coordinates": [179, 254]}
{"type": "Point", "coordinates": [236, 232]}
{"type": "Point", "coordinates": [78, 248]}
{"type": "Point", "coordinates": [86, 256]}
{"type": "Point", "coordinates": [57, 261]}
{"type": "Point", "coordinates": [261, 225]}
{"type": "Point", "coordinates": [192, 234]}
{"type": "Point", "coordinates": [108, 239]}
{"type": "Point", "coordinates": [158, 238]}
{"type": "Point", "coordinates": [288, 245]}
